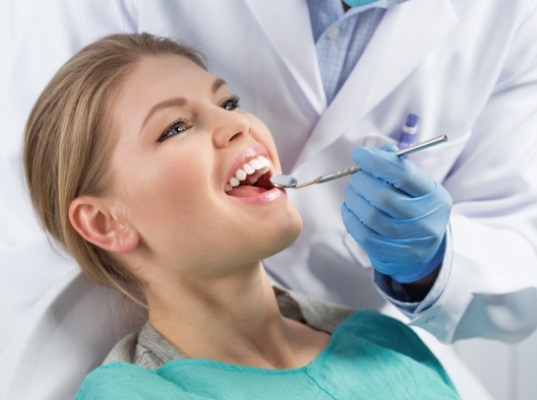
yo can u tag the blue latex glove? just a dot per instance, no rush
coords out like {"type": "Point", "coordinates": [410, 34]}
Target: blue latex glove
{"type": "Point", "coordinates": [397, 213]}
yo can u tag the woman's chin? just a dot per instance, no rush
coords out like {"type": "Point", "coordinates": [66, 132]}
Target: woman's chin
{"type": "Point", "coordinates": [289, 231]}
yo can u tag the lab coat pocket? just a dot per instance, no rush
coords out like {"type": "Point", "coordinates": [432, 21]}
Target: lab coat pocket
{"type": "Point", "coordinates": [439, 160]}
{"type": "Point", "coordinates": [377, 140]}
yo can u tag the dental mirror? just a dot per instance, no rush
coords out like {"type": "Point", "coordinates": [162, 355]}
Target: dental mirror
{"type": "Point", "coordinates": [290, 182]}
{"type": "Point", "coordinates": [284, 181]}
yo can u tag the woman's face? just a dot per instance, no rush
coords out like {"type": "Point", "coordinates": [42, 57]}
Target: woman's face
{"type": "Point", "coordinates": [181, 148]}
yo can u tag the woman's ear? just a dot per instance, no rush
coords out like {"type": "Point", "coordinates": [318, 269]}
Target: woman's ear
{"type": "Point", "coordinates": [98, 223]}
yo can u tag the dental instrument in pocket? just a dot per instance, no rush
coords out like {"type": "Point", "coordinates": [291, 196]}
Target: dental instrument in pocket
{"type": "Point", "coordinates": [290, 182]}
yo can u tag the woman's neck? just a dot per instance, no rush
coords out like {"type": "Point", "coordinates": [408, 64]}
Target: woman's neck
{"type": "Point", "coordinates": [234, 320]}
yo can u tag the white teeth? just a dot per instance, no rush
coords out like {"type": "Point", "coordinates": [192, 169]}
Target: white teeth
{"type": "Point", "coordinates": [250, 172]}
{"type": "Point", "coordinates": [256, 163]}
{"type": "Point", "coordinates": [240, 175]}
{"type": "Point", "coordinates": [234, 182]}
{"type": "Point", "coordinates": [248, 169]}
{"type": "Point", "coordinates": [264, 161]}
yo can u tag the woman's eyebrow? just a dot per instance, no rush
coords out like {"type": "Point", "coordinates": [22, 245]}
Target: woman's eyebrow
{"type": "Point", "coordinates": [175, 102]}
{"type": "Point", "coordinates": [218, 83]}
{"type": "Point", "coordinates": [178, 101]}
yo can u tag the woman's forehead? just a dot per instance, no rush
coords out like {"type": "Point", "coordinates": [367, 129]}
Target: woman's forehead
{"type": "Point", "coordinates": [170, 66]}
{"type": "Point", "coordinates": [158, 78]}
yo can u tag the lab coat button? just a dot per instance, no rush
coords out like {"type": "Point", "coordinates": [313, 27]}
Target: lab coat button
{"type": "Point", "coordinates": [430, 319]}
{"type": "Point", "coordinates": [334, 32]}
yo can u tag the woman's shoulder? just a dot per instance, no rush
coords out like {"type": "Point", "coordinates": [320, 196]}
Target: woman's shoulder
{"type": "Point", "coordinates": [318, 314]}
{"type": "Point", "coordinates": [121, 380]}
{"type": "Point", "coordinates": [382, 330]}
{"type": "Point", "coordinates": [330, 317]}
{"type": "Point", "coordinates": [118, 380]}
{"type": "Point", "coordinates": [388, 337]}
{"type": "Point", "coordinates": [146, 348]}
{"type": "Point", "coordinates": [124, 350]}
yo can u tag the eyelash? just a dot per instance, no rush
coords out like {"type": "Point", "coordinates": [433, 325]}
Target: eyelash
{"type": "Point", "coordinates": [184, 124]}
{"type": "Point", "coordinates": [233, 101]}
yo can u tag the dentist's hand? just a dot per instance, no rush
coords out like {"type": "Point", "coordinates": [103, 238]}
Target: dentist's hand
{"type": "Point", "coordinates": [397, 213]}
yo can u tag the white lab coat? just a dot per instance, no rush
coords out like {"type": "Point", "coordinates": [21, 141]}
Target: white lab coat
{"type": "Point", "coordinates": [468, 69]}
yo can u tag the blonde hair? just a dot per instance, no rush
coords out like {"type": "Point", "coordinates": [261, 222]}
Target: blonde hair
{"type": "Point", "coordinates": [67, 143]}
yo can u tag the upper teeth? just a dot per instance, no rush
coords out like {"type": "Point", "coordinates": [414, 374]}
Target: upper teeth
{"type": "Point", "coordinates": [250, 171]}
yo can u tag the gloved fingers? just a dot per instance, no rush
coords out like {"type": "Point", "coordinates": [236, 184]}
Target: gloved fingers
{"type": "Point", "coordinates": [401, 260]}
{"type": "Point", "coordinates": [391, 148]}
{"type": "Point", "coordinates": [394, 257]}
{"type": "Point", "coordinates": [360, 232]}
{"type": "Point", "coordinates": [387, 166]}
{"type": "Point", "coordinates": [363, 234]}
{"type": "Point", "coordinates": [362, 210]}
{"type": "Point", "coordinates": [383, 196]}
{"type": "Point", "coordinates": [422, 222]}
{"type": "Point", "coordinates": [374, 218]}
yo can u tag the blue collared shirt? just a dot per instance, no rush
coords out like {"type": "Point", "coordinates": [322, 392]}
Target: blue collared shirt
{"type": "Point", "coordinates": [340, 39]}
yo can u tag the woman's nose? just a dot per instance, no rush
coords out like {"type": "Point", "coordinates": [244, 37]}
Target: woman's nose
{"type": "Point", "coordinates": [229, 126]}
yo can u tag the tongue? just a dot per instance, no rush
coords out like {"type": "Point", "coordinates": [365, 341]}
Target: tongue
{"type": "Point", "coordinates": [245, 191]}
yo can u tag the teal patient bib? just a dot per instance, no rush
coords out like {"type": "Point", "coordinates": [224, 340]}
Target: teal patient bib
{"type": "Point", "coordinates": [369, 356]}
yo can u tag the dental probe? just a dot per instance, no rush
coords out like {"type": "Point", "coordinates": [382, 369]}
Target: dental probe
{"type": "Point", "coordinates": [290, 182]}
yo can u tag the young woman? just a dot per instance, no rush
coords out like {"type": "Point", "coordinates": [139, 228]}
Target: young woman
{"type": "Point", "coordinates": [140, 163]}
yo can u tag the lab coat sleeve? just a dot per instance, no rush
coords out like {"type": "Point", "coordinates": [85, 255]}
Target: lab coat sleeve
{"type": "Point", "coordinates": [42, 36]}
{"type": "Point", "coordinates": [491, 290]}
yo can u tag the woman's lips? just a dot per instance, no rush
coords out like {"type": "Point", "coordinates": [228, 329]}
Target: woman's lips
{"type": "Point", "coordinates": [256, 195]}
{"type": "Point", "coordinates": [249, 177]}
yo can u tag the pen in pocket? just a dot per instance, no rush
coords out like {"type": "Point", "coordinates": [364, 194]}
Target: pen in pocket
{"type": "Point", "coordinates": [408, 132]}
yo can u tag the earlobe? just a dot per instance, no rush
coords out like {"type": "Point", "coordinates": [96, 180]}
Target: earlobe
{"type": "Point", "coordinates": [98, 224]}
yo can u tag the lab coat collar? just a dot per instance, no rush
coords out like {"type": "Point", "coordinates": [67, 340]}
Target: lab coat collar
{"type": "Point", "coordinates": [290, 33]}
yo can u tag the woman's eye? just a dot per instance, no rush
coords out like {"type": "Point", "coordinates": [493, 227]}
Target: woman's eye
{"type": "Point", "coordinates": [175, 128]}
{"type": "Point", "coordinates": [231, 103]}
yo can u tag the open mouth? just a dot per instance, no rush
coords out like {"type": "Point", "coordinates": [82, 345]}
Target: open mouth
{"type": "Point", "coordinates": [252, 179]}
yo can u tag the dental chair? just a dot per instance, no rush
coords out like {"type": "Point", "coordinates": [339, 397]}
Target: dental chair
{"type": "Point", "coordinates": [69, 333]}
